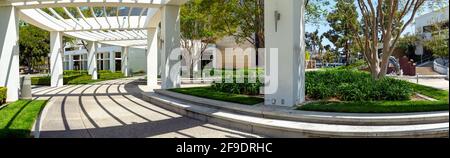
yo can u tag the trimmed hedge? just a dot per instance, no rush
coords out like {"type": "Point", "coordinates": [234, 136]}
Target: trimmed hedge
{"type": "Point", "coordinates": [107, 75]}
{"type": "Point", "coordinates": [353, 85]}
{"type": "Point", "coordinates": [75, 72]}
{"type": "Point", "coordinates": [3, 92]}
{"type": "Point", "coordinates": [45, 80]}
{"type": "Point", "coordinates": [75, 77]}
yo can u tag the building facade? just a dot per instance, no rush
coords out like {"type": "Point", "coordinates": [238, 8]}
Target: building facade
{"type": "Point", "coordinates": [430, 24]}
{"type": "Point", "coordinates": [108, 58]}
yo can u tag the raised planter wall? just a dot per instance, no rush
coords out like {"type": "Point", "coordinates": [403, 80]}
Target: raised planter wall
{"type": "Point", "coordinates": [439, 67]}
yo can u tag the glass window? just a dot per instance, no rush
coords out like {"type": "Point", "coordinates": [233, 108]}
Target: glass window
{"type": "Point", "coordinates": [76, 57]}
{"type": "Point", "coordinates": [118, 55]}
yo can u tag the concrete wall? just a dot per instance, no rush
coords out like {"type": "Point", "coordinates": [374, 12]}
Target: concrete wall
{"type": "Point", "coordinates": [227, 58]}
{"type": "Point", "coordinates": [137, 60]}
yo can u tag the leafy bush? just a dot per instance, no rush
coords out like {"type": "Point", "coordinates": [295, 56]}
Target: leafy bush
{"type": "Point", "coordinates": [3, 96]}
{"type": "Point", "coordinates": [75, 72]}
{"type": "Point", "coordinates": [72, 77]}
{"type": "Point", "coordinates": [359, 64]}
{"type": "Point", "coordinates": [45, 80]}
{"type": "Point", "coordinates": [110, 75]}
{"type": "Point", "coordinates": [353, 85]}
{"type": "Point", "coordinates": [238, 88]}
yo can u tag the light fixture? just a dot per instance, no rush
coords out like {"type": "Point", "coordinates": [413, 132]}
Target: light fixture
{"type": "Point", "coordinates": [277, 18]}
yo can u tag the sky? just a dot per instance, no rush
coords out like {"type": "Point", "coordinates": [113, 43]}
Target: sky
{"type": "Point", "coordinates": [325, 26]}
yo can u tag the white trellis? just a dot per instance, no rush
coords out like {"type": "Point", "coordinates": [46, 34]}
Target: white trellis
{"type": "Point", "coordinates": [125, 23]}
{"type": "Point", "coordinates": [284, 26]}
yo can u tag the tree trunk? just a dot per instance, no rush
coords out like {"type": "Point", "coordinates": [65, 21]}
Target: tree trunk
{"type": "Point", "coordinates": [191, 73]}
{"type": "Point", "coordinates": [201, 68]}
{"type": "Point", "coordinates": [257, 45]}
{"type": "Point", "coordinates": [347, 54]}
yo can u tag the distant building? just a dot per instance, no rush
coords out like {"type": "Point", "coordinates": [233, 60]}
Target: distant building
{"type": "Point", "coordinates": [108, 58]}
{"type": "Point", "coordinates": [425, 27]}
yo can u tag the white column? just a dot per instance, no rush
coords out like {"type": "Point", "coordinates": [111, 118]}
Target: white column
{"type": "Point", "coordinates": [197, 51]}
{"type": "Point", "coordinates": [170, 33]}
{"type": "Point", "coordinates": [152, 58]}
{"type": "Point", "coordinates": [105, 62]}
{"type": "Point", "coordinates": [112, 61]}
{"type": "Point", "coordinates": [9, 51]}
{"type": "Point", "coordinates": [287, 35]}
{"type": "Point", "coordinates": [56, 59]}
{"type": "Point", "coordinates": [92, 59]}
{"type": "Point", "coordinates": [125, 66]}
{"type": "Point", "coordinates": [70, 62]}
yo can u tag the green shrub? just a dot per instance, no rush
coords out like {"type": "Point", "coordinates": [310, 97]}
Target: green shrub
{"type": "Point", "coordinates": [238, 88]}
{"type": "Point", "coordinates": [3, 92]}
{"type": "Point", "coordinates": [356, 65]}
{"type": "Point", "coordinates": [110, 75]}
{"type": "Point", "coordinates": [353, 85]}
{"type": "Point", "coordinates": [43, 81]}
{"type": "Point", "coordinates": [75, 72]}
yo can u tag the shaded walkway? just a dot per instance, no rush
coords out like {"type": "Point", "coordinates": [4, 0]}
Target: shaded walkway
{"type": "Point", "coordinates": [114, 109]}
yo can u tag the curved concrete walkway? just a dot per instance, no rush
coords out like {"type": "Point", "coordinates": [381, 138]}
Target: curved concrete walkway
{"type": "Point", "coordinates": [114, 109]}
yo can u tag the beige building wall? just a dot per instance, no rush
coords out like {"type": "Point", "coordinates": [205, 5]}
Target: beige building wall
{"type": "Point", "coordinates": [230, 60]}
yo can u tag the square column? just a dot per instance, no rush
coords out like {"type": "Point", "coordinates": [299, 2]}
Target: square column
{"type": "Point", "coordinates": [285, 53]}
{"type": "Point", "coordinates": [92, 59]}
{"type": "Point", "coordinates": [9, 51]}
{"type": "Point", "coordinates": [152, 58]}
{"type": "Point", "coordinates": [70, 62]}
{"type": "Point", "coordinates": [170, 33]}
{"type": "Point", "coordinates": [56, 59]}
{"type": "Point", "coordinates": [112, 61]}
{"type": "Point", "coordinates": [197, 50]}
{"type": "Point", "coordinates": [125, 66]}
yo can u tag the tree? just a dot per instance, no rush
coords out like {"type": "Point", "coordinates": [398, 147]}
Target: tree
{"type": "Point", "coordinates": [329, 56]}
{"type": "Point", "coordinates": [34, 45]}
{"type": "Point", "coordinates": [315, 11]}
{"type": "Point", "coordinates": [313, 42]}
{"type": "Point", "coordinates": [343, 19]}
{"type": "Point", "coordinates": [408, 43]}
{"type": "Point", "coordinates": [196, 31]}
{"type": "Point", "coordinates": [383, 21]}
{"type": "Point", "coordinates": [244, 19]}
{"type": "Point", "coordinates": [438, 45]}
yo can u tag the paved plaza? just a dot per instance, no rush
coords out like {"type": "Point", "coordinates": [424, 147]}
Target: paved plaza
{"type": "Point", "coordinates": [115, 109]}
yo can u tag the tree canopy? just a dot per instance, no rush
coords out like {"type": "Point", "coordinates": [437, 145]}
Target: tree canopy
{"type": "Point", "coordinates": [343, 20]}
{"type": "Point", "coordinates": [382, 23]}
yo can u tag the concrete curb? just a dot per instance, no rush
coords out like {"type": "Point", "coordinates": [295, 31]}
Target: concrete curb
{"type": "Point", "coordinates": [37, 125]}
{"type": "Point", "coordinates": [287, 129]}
{"type": "Point", "coordinates": [290, 114]}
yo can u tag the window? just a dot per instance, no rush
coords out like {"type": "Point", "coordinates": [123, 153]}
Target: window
{"type": "Point", "coordinates": [118, 55]}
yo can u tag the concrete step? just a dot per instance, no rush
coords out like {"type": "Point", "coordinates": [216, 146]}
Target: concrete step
{"type": "Point", "coordinates": [426, 71]}
{"type": "Point", "coordinates": [290, 114]}
{"type": "Point", "coordinates": [286, 129]}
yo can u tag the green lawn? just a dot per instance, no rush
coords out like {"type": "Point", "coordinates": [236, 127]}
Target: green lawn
{"type": "Point", "coordinates": [387, 106]}
{"type": "Point", "coordinates": [16, 119]}
{"type": "Point", "coordinates": [72, 78]}
{"type": "Point", "coordinates": [208, 92]}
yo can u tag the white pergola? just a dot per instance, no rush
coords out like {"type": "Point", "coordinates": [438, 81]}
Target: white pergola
{"type": "Point", "coordinates": [135, 23]}
{"type": "Point", "coordinates": [107, 23]}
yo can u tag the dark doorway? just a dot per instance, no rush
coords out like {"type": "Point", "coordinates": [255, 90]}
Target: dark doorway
{"type": "Point", "coordinates": [118, 65]}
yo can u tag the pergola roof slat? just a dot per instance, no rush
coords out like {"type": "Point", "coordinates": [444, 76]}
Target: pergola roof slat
{"type": "Point", "coordinates": [123, 26]}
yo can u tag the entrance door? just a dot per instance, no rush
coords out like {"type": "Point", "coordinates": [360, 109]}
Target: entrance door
{"type": "Point", "coordinates": [118, 65]}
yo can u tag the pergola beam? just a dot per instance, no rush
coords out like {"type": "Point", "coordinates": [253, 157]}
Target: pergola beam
{"type": "Point", "coordinates": [73, 18]}
{"type": "Point", "coordinates": [22, 5]}
{"type": "Point", "coordinates": [105, 14]}
{"type": "Point", "coordinates": [83, 17]}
